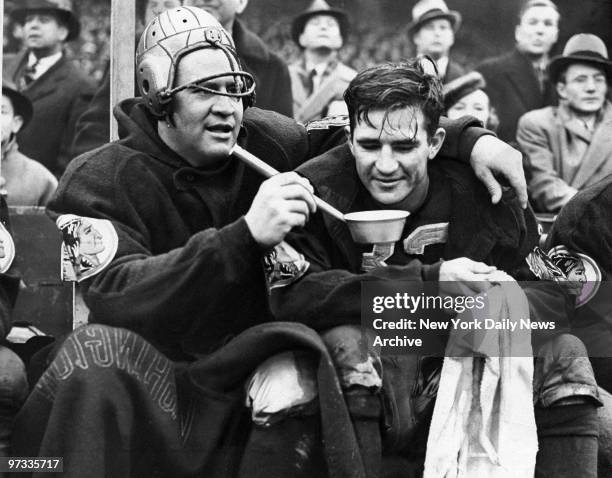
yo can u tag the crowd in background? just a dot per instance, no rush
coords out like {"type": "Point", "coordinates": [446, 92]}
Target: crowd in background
{"type": "Point", "coordinates": [367, 44]}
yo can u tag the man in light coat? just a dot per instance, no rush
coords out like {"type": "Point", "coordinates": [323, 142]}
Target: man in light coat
{"type": "Point", "coordinates": [569, 146]}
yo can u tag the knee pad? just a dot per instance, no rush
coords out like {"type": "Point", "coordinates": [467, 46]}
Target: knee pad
{"type": "Point", "coordinates": [563, 373]}
{"type": "Point", "coordinates": [283, 385]}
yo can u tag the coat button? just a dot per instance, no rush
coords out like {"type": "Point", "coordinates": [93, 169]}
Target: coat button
{"type": "Point", "coordinates": [190, 177]}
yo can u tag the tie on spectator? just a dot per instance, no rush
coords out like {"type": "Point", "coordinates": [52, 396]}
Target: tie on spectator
{"type": "Point", "coordinates": [309, 81]}
{"type": "Point", "coordinates": [30, 73]}
{"type": "Point", "coordinates": [540, 71]}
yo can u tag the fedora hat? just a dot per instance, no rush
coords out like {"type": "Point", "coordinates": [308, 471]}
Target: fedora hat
{"type": "Point", "coordinates": [581, 48]}
{"type": "Point", "coordinates": [318, 7]}
{"type": "Point", "coordinates": [63, 8]}
{"type": "Point", "coordinates": [21, 103]}
{"type": "Point", "coordinates": [462, 86]}
{"type": "Point", "coordinates": [426, 10]}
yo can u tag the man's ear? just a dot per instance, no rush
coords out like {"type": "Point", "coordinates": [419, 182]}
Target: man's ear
{"type": "Point", "coordinates": [63, 32]}
{"type": "Point", "coordinates": [435, 142]}
{"type": "Point", "coordinates": [517, 33]}
{"type": "Point", "coordinates": [347, 131]}
{"type": "Point", "coordinates": [242, 4]}
{"type": "Point", "coordinates": [16, 124]}
{"type": "Point", "coordinates": [561, 90]}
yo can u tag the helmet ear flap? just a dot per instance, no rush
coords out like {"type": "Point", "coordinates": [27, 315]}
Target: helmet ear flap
{"type": "Point", "coordinates": [152, 78]}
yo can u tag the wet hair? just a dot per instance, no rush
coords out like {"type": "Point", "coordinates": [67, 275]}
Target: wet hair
{"type": "Point", "coordinates": [395, 86]}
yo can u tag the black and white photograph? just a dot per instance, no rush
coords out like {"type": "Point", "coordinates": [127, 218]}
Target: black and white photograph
{"type": "Point", "coordinates": [306, 239]}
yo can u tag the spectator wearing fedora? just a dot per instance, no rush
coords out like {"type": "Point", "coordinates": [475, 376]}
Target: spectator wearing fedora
{"type": "Point", "coordinates": [58, 90]}
{"type": "Point", "coordinates": [466, 96]}
{"type": "Point", "coordinates": [273, 91]}
{"type": "Point", "coordinates": [318, 78]}
{"type": "Point", "coordinates": [432, 32]}
{"type": "Point", "coordinates": [516, 80]}
{"type": "Point", "coordinates": [569, 147]}
{"type": "Point", "coordinates": [25, 182]}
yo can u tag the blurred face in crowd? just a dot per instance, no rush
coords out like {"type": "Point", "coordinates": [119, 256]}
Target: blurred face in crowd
{"type": "Point", "coordinates": [391, 155]}
{"type": "Point", "coordinates": [206, 125]}
{"type": "Point", "coordinates": [435, 38]}
{"type": "Point", "coordinates": [223, 10]}
{"type": "Point", "coordinates": [538, 30]}
{"type": "Point", "coordinates": [42, 30]}
{"type": "Point", "coordinates": [474, 104]}
{"type": "Point", "coordinates": [321, 31]}
{"type": "Point", "coordinates": [583, 87]}
{"type": "Point", "coordinates": [11, 122]}
{"type": "Point", "coordinates": [155, 7]}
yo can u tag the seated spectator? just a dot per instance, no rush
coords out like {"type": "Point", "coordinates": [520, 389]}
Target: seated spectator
{"type": "Point", "coordinates": [318, 78]}
{"type": "Point", "coordinates": [25, 182]}
{"type": "Point", "coordinates": [516, 80]}
{"type": "Point", "coordinates": [58, 90]}
{"type": "Point", "coordinates": [568, 146]}
{"type": "Point", "coordinates": [432, 32]}
{"type": "Point", "coordinates": [466, 96]}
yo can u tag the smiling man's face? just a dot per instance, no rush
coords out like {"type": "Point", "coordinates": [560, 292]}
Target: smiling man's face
{"type": "Point", "coordinates": [391, 155]}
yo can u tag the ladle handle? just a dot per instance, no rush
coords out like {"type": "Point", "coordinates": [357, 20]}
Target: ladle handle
{"type": "Point", "coordinates": [266, 170]}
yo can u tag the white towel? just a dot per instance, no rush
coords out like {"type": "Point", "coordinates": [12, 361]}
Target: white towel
{"type": "Point", "coordinates": [483, 422]}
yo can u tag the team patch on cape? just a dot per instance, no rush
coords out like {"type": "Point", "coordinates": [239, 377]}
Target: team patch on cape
{"type": "Point", "coordinates": [7, 249]}
{"type": "Point", "coordinates": [425, 235]}
{"type": "Point", "coordinates": [89, 245]}
{"type": "Point", "coordinates": [337, 121]}
{"type": "Point", "coordinates": [577, 271]}
{"type": "Point", "coordinates": [284, 265]}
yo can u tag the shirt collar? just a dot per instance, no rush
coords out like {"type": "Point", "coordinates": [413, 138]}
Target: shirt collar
{"type": "Point", "coordinates": [442, 65]}
{"type": "Point", "coordinates": [43, 64]}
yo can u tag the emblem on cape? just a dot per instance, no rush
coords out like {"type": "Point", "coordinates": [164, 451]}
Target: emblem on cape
{"type": "Point", "coordinates": [328, 122]}
{"type": "Point", "coordinates": [7, 249]}
{"type": "Point", "coordinates": [284, 265]}
{"type": "Point", "coordinates": [577, 271]}
{"type": "Point", "coordinates": [89, 245]}
{"type": "Point", "coordinates": [425, 235]}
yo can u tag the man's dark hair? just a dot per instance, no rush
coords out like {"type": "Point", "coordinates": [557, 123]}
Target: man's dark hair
{"type": "Point", "coordinates": [394, 86]}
